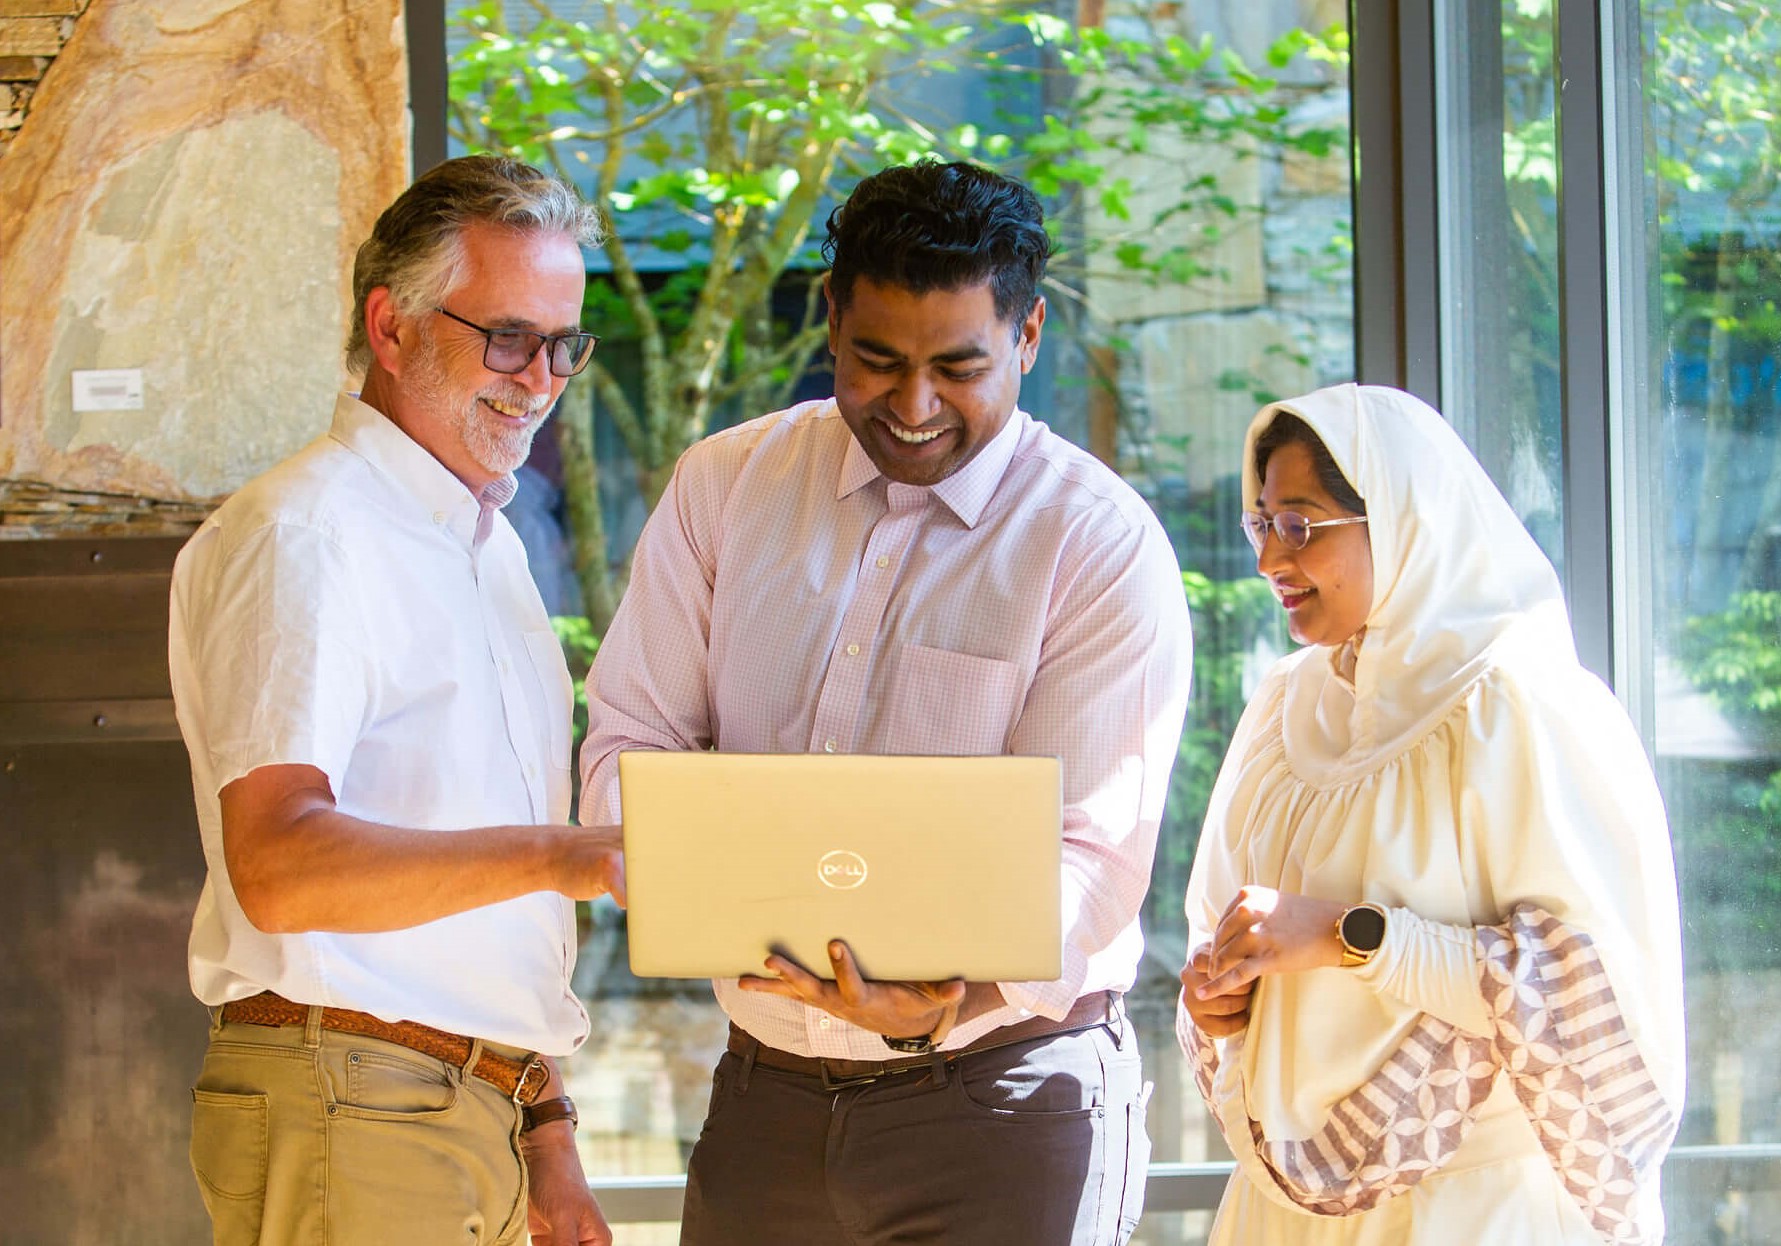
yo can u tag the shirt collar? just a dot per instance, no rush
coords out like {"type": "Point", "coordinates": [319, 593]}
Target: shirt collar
{"type": "Point", "coordinates": [967, 492]}
{"type": "Point", "coordinates": [377, 439]}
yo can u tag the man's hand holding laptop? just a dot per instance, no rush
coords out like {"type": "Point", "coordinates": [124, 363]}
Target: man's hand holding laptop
{"type": "Point", "coordinates": [897, 1009]}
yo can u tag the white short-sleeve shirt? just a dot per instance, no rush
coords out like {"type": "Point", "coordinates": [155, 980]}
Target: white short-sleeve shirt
{"type": "Point", "coordinates": [359, 610]}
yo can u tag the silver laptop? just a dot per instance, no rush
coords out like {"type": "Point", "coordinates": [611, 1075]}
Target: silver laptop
{"type": "Point", "coordinates": [929, 867]}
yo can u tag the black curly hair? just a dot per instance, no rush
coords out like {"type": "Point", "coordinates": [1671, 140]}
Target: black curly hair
{"type": "Point", "coordinates": [932, 226]}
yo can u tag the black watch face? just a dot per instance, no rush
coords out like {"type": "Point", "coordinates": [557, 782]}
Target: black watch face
{"type": "Point", "coordinates": [1364, 929]}
{"type": "Point", "coordinates": [914, 1046]}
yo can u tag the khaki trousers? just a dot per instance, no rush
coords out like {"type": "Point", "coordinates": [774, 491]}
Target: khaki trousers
{"type": "Point", "coordinates": [306, 1137]}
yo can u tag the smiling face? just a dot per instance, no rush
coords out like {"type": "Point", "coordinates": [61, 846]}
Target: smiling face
{"type": "Point", "coordinates": [1327, 587]}
{"type": "Point", "coordinates": [477, 422]}
{"type": "Point", "coordinates": [925, 381]}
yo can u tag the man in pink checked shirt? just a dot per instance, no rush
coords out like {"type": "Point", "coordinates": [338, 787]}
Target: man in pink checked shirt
{"type": "Point", "coordinates": [918, 566]}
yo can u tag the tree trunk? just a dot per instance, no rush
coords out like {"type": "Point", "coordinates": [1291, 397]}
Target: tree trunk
{"type": "Point", "coordinates": [581, 502]}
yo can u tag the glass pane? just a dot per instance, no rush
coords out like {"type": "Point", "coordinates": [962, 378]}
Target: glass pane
{"type": "Point", "coordinates": [1712, 438]}
{"type": "Point", "coordinates": [1702, 505]}
{"type": "Point", "coordinates": [1196, 165]}
{"type": "Point", "coordinates": [1499, 249]}
{"type": "Point", "coordinates": [1261, 308]}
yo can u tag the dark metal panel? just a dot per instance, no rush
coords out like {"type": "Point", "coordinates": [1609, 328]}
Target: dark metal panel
{"type": "Point", "coordinates": [428, 81]}
{"type": "Point", "coordinates": [1583, 330]}
{"type": "Point", "coordinates": [82, 622]}
{"type": "Point", "coordinates": [103, 721]}
{"type": "Point", "coordinates": [100, 869]}
{"type": "Point", "coordinates": [83, 637]}
{"type": "Point", "coordinates": [72, 556]}
{"type": "Point", "coordinates": [1396, 261]}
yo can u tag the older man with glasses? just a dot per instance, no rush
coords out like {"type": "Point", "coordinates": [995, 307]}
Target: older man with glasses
{"type": "Point", "coordinates": [377, 713]}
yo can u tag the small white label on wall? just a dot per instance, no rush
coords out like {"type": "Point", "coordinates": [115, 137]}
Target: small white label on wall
{"type": "Point", "coordinates": [108, 389]}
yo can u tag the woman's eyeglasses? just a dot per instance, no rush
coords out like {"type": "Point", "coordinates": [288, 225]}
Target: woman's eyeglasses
{"type": "Point", "coordinates": [1293, 529]}
{"type": "Point", "coordinates": [512, 350]}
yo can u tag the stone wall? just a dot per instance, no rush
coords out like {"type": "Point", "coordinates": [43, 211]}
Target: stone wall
{"type": "Point", "coordinates": [32, 33]}
{"type": "Point", "coordinates": [184, 196]}
{"type": "Point", "coordinates": [1276, 315]}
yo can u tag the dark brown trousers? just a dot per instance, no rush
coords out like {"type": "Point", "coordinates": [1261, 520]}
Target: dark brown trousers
{"type": "Point", "coordinates": [1040, 1143]}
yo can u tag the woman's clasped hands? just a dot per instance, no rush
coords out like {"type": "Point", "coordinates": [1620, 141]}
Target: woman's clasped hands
{"type": "Point", "coordinates": [1261, 931]}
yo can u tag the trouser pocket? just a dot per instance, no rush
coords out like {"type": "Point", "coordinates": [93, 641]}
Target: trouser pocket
{"type": "Point", "coordinates": [229, 1139]}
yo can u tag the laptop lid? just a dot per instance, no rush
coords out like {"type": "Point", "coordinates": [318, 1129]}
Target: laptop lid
{"type": "Point", "coordinates": [929, 867]}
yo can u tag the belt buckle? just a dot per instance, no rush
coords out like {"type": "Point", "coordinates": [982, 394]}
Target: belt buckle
{"type": "Point", "coordinates": [534, 1065]}
{"type": "Point", "coordinates": [832, 1083]}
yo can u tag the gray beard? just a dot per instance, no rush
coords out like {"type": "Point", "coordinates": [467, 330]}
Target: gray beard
{"type": "Point", "coordinates": [495, 449]}
{"type": "Point", "coordinates": [499, 450]}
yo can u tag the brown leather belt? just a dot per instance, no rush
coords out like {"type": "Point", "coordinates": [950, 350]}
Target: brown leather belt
{"type": "Point", "coordinates": [520, 1080]}
{"type": "Point", "coordinates": [1087, 1012]}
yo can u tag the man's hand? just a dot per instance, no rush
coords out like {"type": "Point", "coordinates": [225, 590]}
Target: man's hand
{"type": "Point", "coordinates": [560, 1209]}
{"type": "Point", "coordinates": [1265, 931]}
{"type": "Point", "coordinates": [899, 1009]}
{"type": "Point", "coordinates": [594, 863]}
{"type": "Point", "coordinates": [1222, 1015]}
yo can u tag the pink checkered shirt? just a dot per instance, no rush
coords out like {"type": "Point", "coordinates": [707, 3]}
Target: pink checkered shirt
{"type": "Point", "coordinates": [785, 597]}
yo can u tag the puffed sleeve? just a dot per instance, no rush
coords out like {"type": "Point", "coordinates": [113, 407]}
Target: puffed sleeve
{"type": "Point", "coordinates": [1577, 984]}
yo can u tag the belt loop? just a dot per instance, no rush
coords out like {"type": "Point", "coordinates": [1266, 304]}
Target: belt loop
{"type": "Point", "coordinates": [468, 1068]}
{"type": "Point", "coordinates": [1116, 1022]}
{"type": "Point", "coordinates": [941, 1064]}
{"type": "Point", "coordinates": [750, 1049]}
{"type": "Point", "coordinates": [312, 1028]}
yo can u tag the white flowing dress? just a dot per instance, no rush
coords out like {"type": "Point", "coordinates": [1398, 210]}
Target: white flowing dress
{"type": "Point", "coordinates": [1508, 1067]}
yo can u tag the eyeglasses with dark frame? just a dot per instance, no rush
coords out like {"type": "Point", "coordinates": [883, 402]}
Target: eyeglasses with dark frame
{"type": "Point", "coordinates": [1293, 529]}
{"type": "Point", "coordinates": [512, 350]}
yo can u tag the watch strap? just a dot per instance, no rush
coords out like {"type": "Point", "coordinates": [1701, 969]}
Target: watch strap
{"type": "Point", "coordinates": [920, 1045]}
{"type": "Point", "coordinates": [547, 1110]}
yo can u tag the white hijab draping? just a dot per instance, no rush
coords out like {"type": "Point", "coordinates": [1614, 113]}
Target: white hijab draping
{"type": "Point", "coordinates": [1454, 574]}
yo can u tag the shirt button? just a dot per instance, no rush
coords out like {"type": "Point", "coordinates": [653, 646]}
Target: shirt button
{"type": "Point", "coordinates": [828, 746]}
{"type": "Point", "coordinates": [822, 1023]}
{"type": "Point", "coordinates": [853, 651]}
{"type": "Point", "coordinates": [531, 771]}
{"type": "Point", "coordinates": [883, 561]}
{"type": "Point", "coordinates": [438, 516]}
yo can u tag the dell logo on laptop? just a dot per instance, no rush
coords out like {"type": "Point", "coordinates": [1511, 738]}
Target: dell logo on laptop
{"type": "Point", "coordinates": [841, 869]}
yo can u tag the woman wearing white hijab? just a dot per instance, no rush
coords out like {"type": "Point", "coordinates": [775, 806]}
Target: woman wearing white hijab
{"type": "Point", "coordinates": [1435, 991]}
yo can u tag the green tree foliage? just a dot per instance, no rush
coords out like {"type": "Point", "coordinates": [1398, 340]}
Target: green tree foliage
{"type": "Point", "coordinates": [1238, 629]}
{"type": "Point", "coordinates": [1734, 823]}
{"type": "Point", "coordinates": [717, 131]}
{"type": "Point", "coordinates": [1734, 655]}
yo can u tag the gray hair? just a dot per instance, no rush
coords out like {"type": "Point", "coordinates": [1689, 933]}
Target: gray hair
{"type": "Point", "coordinates": [416, 247]}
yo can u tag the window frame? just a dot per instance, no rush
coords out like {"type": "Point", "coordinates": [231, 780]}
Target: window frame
{"type": "Point", "coordinates": [1399, 264]}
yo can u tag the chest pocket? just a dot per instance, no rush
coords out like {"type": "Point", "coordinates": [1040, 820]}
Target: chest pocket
{"type": "Point", "coordinates": [947, 704]}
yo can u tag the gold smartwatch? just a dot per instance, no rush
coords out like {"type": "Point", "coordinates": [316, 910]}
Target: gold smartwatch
{"type": "Point", "coordinates": [1361, 931]}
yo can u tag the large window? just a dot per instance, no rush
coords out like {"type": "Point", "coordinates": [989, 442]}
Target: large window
{"type": "Point", "coordinates": [1609, 229]}
{"type": "Point", "coordinates": [1566, 234]}
{"type": "Point", "coordinates": [1197, 170]}
{"type": "Point", "coordinates": [1707, 471]}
